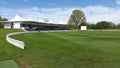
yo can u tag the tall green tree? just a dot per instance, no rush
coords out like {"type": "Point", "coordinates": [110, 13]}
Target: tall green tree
{"type": "Point", "coordinates": [77, 19]}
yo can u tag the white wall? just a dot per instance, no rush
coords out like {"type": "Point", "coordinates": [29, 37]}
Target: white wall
{"type": "Point", "coordinates": [15, 42]}
{"type": "Point", "coordinates": [7, 25]}
{"type": "Point", "coordinates": [16, 25]}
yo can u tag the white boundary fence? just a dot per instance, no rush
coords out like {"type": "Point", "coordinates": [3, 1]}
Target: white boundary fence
{"type": "Point", "coordinates": [21, 44]}
{"type": "Point", "coordinates": [15, 42]}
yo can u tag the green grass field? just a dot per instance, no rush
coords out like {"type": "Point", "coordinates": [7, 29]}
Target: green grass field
{"type": "Point", "coordinates": [8, 64]}
{"type": "Point", "coordinates": [76, 49]}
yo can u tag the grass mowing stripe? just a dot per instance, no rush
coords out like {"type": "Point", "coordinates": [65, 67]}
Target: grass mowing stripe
{"type": "Point", "coordinates": [79, 49]}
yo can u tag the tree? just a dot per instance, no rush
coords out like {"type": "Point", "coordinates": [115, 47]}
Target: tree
{"type": "Point", "coordinates": [105, 25]}
{"type": "Point", "coordinates": [92, 26]}
{"type": "Point", "coordinates": [77, 18]}
{"type": "Point", "coordinates": [2, 19]}
{"type": "Point", "coordinates": [83, 24]}
{"type": "Point", "coordinates": [118, 26]}
{"type": "Point", "coordinates": [1, 25]}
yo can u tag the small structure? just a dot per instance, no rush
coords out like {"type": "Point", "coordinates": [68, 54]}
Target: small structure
{"type": "Point", "coordinates": [28, 24]}
{"type": "Point", "coordinates": [83, 27]}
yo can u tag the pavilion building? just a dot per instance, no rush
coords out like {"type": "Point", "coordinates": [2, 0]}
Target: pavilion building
{"type": "Point", "coordinates": [28, 24]}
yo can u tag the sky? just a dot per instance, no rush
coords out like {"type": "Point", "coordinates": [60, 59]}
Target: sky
{"type": "Point", "coordinates": [60, 10]}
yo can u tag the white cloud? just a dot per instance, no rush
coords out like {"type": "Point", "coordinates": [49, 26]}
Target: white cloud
{"type": "Point", "coordinates": [118, 1]}
{"type": "Point", "coordinates": [54, 14]}
{"type": "Point", "coordinates": [93, 13]}
{"type": "Point", "coordinates": [100, 13]}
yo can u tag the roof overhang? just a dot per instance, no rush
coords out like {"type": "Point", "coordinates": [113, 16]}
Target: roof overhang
{"type": "Point", "coordinates": [31, 22]}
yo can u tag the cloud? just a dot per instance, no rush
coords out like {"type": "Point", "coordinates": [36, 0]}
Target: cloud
{"type": "Point", "coordinates": [101, 13]}
{"type": "Point", "coordinates": [118, 1]}
{"type": "Point", "coordinates": [93, 13]}
{"type": "Point", "coordinates": [54, 14]}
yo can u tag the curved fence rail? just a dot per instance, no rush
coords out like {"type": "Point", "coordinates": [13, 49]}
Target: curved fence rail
{"type": "Point", "coordinates": [21, 44]}
{"type": "Point", "coordinates": [15, 42]}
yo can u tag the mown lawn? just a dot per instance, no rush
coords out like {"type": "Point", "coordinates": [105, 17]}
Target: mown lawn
{"type": "Point", "coordinates": [8, 64]}
{"type": "Point", "coordinates": [76, 49]}
{"type": "Point", "coordinates": [8, 51]}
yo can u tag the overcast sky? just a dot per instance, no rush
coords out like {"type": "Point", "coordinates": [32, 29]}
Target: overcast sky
{"type": "Point", "coordinates": [60, 10]}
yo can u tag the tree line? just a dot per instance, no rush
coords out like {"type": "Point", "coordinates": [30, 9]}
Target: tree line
{"type": "Point", "coordinates": [78, 19]}
{"type": "Point", "coordinates": [103, 25]}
